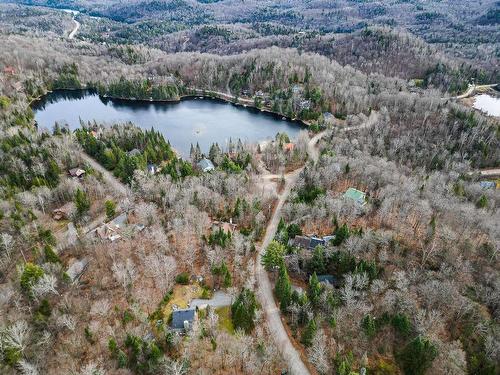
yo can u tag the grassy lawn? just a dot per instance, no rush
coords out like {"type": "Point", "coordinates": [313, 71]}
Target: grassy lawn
{"type": "Point", "coordinates": [225, 321]}
{"type": "Point", "coordinates": [182, 295]}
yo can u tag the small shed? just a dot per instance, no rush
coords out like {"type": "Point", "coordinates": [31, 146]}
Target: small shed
{"type": "Point", "coordinates": [356, 195]}
{"type": "Point", "coordinates": [76, 172]}
{"type": "Point", "coordinates": [183, 319]}
{"type": "Point", "coordinates": [206, 165]}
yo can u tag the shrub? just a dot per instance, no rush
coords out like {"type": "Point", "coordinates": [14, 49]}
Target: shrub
{"type": "Point", "coordinates": [182, 278]}
{"type": "Point", "coordinates": [110, 207]}
{"type": "Point", "coordinates": [112, 346]}
{"type": "Point", "coordinates": [369, 326]}
{"type": "Point", "coordinates": [50, 255]}
{"type": "Point", "coordinates": [30, 276]}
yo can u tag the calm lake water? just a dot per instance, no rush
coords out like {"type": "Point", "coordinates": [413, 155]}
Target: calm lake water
{"type": "Point", "coordinates": [488, 104]}
{"type": "Point", "coordinates": [192, 120]}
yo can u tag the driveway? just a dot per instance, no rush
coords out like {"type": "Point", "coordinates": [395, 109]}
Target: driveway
{"type": "Point", "coordinates": [265, 288]}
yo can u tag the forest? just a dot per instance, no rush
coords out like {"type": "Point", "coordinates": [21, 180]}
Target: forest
{"type": "Point", "coordinates": [367, 244]}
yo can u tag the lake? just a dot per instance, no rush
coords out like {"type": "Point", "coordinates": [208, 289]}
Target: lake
{"type": "Point", "coordinates": [488, 104]}
{"type": "Point", "coordinates": [183, 123]}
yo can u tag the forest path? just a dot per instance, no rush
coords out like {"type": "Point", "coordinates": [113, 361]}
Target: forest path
{"type": "Point", "coordinates": [265, 290]}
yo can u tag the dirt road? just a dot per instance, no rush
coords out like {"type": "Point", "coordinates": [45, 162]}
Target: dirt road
{"type": "Point", "coordinates": [111, 180]}
{"type": "Point", "coordinates": [73, 32]}
{"type": "Point", "coordinates": [265, 289]}
{"type": "Point", "coordinates": [471, 89]}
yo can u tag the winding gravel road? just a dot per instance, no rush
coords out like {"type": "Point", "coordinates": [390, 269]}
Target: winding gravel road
{"type": "Point", "coordinates": [111, 180]}
{"type": "Point", "coordinates": [73, 32]}
{"type": "Point", "coordinates": [265, 289]}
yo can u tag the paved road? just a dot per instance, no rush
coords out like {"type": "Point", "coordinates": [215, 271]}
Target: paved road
{"type": "Point", "coordinates": [265, 289]}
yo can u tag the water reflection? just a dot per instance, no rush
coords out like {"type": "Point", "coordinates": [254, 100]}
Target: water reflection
{"type": "Point", "coordinates": [189, 121]}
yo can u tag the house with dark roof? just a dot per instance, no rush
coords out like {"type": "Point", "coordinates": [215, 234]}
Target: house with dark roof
{"type": "Point", "coordinates": [488, 184]}
{"type": "Point", "coordinates": [301, 241]}
{"type": "Point", "coordinates": [206, 165]}
{"type": "Point", "coordinates": [316, 241]}
{"type": "Point", "coordinates": [327, 279]}
{"type": "Point", "coordinates": [310, 242]}
{"type": "Point", "coordinates": [183, 319]}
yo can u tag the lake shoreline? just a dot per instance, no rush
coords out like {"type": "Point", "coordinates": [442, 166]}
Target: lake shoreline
{"type": "Point", "coordinates": [184, 120]}
{"type": "Point", "coordinates": [202, 94]}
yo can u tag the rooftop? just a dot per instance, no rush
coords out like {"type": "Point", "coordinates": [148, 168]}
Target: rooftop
{"type": "Point", "coordinates": [205, 165]}
{"type": "Point", "coordinates": [356, 195]}
{"type": "Point", "coordinates": [181, 316]}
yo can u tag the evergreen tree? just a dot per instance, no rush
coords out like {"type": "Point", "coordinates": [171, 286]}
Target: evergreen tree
{"type": "Point", "coordinates": [417, 356]}
{"type": "Point", "coordinates": [314, 290]}
{"type": "Point", "coordinates": [317, 263]}
{"type": "Point", "coordinates": [82, 202]}
{"type": "Point", "coordinates": [110, 209]}
{"type": "Point", "coordinates": [52, 174]}
{"type": "Point", "coordinates": [309, 332]}
{"type": "Point", "coordinates": [273, 256]}
{"type": "Point", "coordinates": [341, 234]}
{"type": "Point", "coordinates": [283, 288]}
{"type": "Point", "coordinates": [243, 311]}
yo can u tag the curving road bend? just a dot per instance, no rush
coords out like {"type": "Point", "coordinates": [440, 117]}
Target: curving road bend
{"type": "Point", "coordinates": [73, 32]}
{"type": "Point", "coordinates": [265, 289]}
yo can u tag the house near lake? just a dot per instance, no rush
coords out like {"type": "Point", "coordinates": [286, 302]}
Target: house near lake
{"type": "Point", "coordinates": [206, 165]}
{"type": "Point", "coordinates": [183, 320]}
